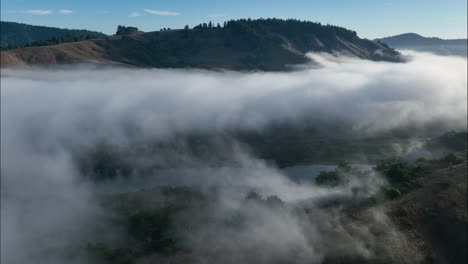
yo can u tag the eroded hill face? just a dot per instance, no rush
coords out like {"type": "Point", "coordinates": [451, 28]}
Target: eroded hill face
{"type": "Point", "coordinates": [240, 45]}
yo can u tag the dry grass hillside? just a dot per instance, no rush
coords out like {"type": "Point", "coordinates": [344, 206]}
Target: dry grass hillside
{"type": "Point", "coordinates": [434, 214]}
{"type": "Point", "coordinates": [241, 45]}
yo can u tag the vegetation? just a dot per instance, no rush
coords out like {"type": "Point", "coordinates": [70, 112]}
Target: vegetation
{"type": "Point", "coordinates": [148, 219]}
{"type": "Point", "coordinates": [152, 228]}
{"type": "Point", "coordinates": [392, 193]}
{"type": "Point", "coordinates": [453, 159]}
{"type": "Point", "coordinates": [271, 201]}
{"type": "Point", "coordinates": [14, 35]}
{"type": "Point", "coordinates": [54, 41]}
{"type": "Point", "coordinates": [337, 176]}
{"type": "Point", "coordinates": [123, 30]}
{"type": "Point", "coordinates": [103, 162]}
{"type": "Point", "coordinates": [155, 219]}
{"type": "Point", "coordinates": [329, 178]}
{"type": "Point", "coordinates": [451, 141]}
{"type": "Point", "coordinates": [396, 171]}
{"type": "Point", "coordinates": [244, 44]}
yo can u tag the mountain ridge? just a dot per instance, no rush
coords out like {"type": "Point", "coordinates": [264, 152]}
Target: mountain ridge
{"type": "Point", "coordinates": [263, 44]}
{"type": "Point", "coordinates": [435, 45]}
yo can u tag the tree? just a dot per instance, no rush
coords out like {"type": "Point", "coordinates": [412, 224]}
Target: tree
{"type": "Point", "coordinates": [344, 166]}
{"type": "Point", "coordinates": [398, 172]}
{"type": "Point", "coordinates": [121, 30]}
{"type": "Point", "coordinates": [253, 195]}
{"type": "Point", "coordinates": [210, 25]}
{"type": "Point", "coordinates": [186, 27]}
{"type": "Point", "coordinates": [218, 26]}
{"type": "Point", "coordinates": [328, 178]}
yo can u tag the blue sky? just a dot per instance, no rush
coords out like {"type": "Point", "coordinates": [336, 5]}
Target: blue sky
{"type": "Point", "coordinates": [370, 18]}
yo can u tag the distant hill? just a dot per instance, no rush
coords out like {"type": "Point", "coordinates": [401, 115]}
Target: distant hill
{"type": "Point", "coordinates": [17, 34]}
{"type": "Point", "coordinates": [417, 42]}
{"type": "Point", "coordinates": [264, 44]}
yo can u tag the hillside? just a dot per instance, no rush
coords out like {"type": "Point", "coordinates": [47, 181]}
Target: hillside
{"type": "Point", "coordinates": [425, 223]}
{"type": "Point", "coordinates": [434, 214]}
{"type": "Point", "coordinates": [265, 44]}
{"type": "Point", "coordinates": [18, 34]}
{"type": "Point", "coordinates": [417, 42]}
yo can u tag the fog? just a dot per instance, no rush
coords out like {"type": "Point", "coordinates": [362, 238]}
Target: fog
{"type": "Point", "coordinates": [47, 113]}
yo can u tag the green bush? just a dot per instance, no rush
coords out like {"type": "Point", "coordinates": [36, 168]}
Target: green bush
{"type": "Point", "coordinates": [274, 201]}
{"type": "Point", "coordinates": [392, 193]}
{"type": "Point", "coordinates": [152, 227]}
{"type": "Point", "coordinates": [328, 178]}
{"type": "Point", "coordinates": [453, 159]}
{"type": "Point", "coordinates": [396, 171]}
{"type": "Point", "coordinates": [344, 166]}
{"type": "Point", "coordinates": [254, 196]}
{"type": "Point", "coordinates": [421, 160]}
{"type": "Point", "coordinates": [399, 172]}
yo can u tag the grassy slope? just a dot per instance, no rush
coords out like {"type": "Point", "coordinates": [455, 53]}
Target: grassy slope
{"type": "Point", "coordinates": [434, 215]}
{"type": "Point", "coordinates": [254, 48]}
{"type": "Point", "coordinates": [13, 33]}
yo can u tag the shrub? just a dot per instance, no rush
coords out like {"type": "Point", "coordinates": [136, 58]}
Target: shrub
{"type": "Point", "coordinates": [453, 159]}
{"type": "Point", "coordinates": [421, 160]}
{"type": "Point", "coordinates": [274, 201]}
{"type": "Point", "coordinates": [396, 171]}
{"type": "Point", "coordinates": [253, 195]}
{"type": "Point", "coordinates": [392, 193]}
{"type": "Point", "coordinates": [152, 227]}
{"type": "Point", "coordinates": [329, 178]}
{"type": "Point", "coordinates": [344, 166]}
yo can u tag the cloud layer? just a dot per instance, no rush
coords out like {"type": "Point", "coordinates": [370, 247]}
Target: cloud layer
{"type": "Point", "coordinates": [47, 112]}
{"type": "Point", "coordinates": [371, 96]}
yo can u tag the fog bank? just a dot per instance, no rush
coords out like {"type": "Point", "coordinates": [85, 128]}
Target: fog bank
{"type": "Point", "coordinates": [45, 114]}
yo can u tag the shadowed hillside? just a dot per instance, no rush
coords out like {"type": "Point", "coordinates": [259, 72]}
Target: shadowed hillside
{"type": "Point", "coordinates": [18, 34]}
{"type": "Point", "coordinates": [264, 44]}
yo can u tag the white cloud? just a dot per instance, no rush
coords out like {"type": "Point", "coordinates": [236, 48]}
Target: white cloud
{"type": "Point", "coordinates": [65, 11]}
{"type": "Point", "coordinates": [39, 172]}
{"type": "Point", "coordinates": [375, 96]}
{"type": "Point", "coordinates": [37, 12]}
{"type": "Point", "coordinates": [161, 12]}
{"type": "Point", "coordinates": [134, 14]}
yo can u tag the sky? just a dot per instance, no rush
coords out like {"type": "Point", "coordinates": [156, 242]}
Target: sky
{"type": "Point", "coordinates": [370, 18]}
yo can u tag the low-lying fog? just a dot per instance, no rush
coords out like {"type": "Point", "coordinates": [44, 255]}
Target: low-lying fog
{"type": "Point", "coordinates": [47, 113]}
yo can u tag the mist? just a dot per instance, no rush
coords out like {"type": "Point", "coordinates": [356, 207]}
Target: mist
{"type": "Point", "coordinates": [47, 114]}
